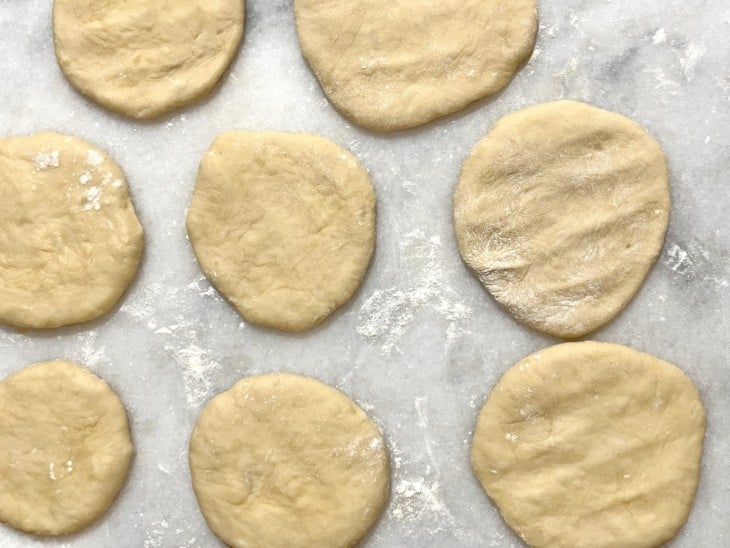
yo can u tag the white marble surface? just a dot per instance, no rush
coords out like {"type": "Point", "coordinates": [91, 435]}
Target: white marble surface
{"type": "Point", "coordinates": [425, 364]}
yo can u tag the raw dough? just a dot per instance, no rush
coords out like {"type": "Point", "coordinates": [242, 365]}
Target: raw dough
{"type": "Point", "coordinates": [561, 211]}
{"type": "Point", "coordinates": [64, 448]}
{"type": "Point", "coordinates": [392, 65]}
{"type": "Point", "coordinates": [70, 242]}
{"type": "Point", "coordinates": [143, 58]}
{"type": "Point", "coordinates": [282, 460]}
{"type": "Point", "coordinates": [591, 445]}
{"type": "Point", "coordinates": [283, 225]}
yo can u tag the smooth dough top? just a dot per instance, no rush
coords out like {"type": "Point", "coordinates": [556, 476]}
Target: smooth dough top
{"type": "Point", "coordinates": [283, 225]}
{"type": "Point", "coordinates": [393, 65]}
{"type": "Point", "coordinates": [591, 445]}
{"type": "Point", "coordinates": [64, 448]}
{"type": "Point", "coordinates": [143, 58]}
{"type": "Point", "coordinates": [561, 211]}
{"type": "Point", "coordinates": [282, 460]}
{"type": "Point", "coordinates": [70, 242]}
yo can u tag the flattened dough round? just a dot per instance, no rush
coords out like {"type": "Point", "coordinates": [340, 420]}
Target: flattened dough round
{"type": "Point", "coordinates": [283, 225]}
{"type": "Point", "coordinates": [143, 58]}
{"type": "Point", "coordinates": [393, 65]}
{"type": "Point", "coordinates": [561, 211]}
{"type": "Point", "coordinates": [282, 460]}
{"type": "Point", "coordinates": [591, 445]}
{"type": "Point", "coordinates": [64, 448]}
{"type": "Point", "coordinates": [70, 242]}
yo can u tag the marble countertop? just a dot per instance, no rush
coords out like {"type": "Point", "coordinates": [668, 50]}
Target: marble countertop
{"type": "Point", "coordinates": [422, 343]}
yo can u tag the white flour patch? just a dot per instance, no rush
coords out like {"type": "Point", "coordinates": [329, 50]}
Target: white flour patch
{"type": "Point", "coordinates": [204, 289]}
{"type": "Point", "coordinates": [88, 352]}
{"type": "Point", "coordinates": [47, 160]}
{"type": "Point", "coordinates": [418, 507]}
{"type": "Point", "coordinates": [694, 262]}
{"type": "Point", "coordinates": [93, 198]}
{"type": "Point", "coordinates": [197, 366]}
{"type": "Point", "coordinates": [659, 37]}
{"type": "Point", "coordinates": [387, 314]}
{"type": "Point", "coordinates": [94, 158]}
{"type": "Point", "coordinates": [692, 55]}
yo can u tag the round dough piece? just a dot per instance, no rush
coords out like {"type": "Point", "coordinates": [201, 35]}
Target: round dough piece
{"type": "Point", "coordinates": [393, 65]}
{"type": "Point", "coordinates": [70, 242]}
{"type": "Point", "coordinates": [283, 225]}
{"type": "Point", "coordinates": [561, 211]}
{"type": "Point", "coordinates": [591, 445]}
{"type": "Point", "coordinates": [65, 448]}
{"type": "Point", "coordinates": [143, 58]}
{"type": "Point", "coordinates": [282, 460]}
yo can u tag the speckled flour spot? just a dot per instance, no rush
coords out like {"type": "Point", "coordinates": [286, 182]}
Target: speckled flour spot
{"type": "Point", "coordinates": [94, 158]}
{"type": "Point", "coordinates": [47, 160]}
{"type": "Point", "coordinates": [388, 313]}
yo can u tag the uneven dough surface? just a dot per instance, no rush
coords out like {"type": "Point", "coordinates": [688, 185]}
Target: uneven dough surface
{"type": "Point", "coordinates": [561, 211]}
{"type": "Point", "coordinates": [143, 58]}
{"type": "Point", "coordinates": [591, 445]}
{"type": "Point", "coordinates": [283, 225]}
{"type": "Point", "coordinates": [282, 460]}
{"type": "Point", "coordinates": [70, 242]}
{"type": "Point", "coordinates": [393, 65]}
{"type": "Point", "coordinates": [64, 448]}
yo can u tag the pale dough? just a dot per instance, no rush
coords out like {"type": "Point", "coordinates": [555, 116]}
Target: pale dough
{"type": "Point", "coordinates": [64, 448]}
{"type": "Point", "coordinates": [591, 445]}
{"type": "Point", "coordinates": [392, 65]}
{"type": "Point", "coordinates": [70, 242]}
{"type": "Point", "coordinates": [143, 58]}
{"type": "Point", "coordinates": [283, 225]}
{"type": "Point", "coordinates": [561, 211]}
{"type": "Point", "coordinates": [282, 460]}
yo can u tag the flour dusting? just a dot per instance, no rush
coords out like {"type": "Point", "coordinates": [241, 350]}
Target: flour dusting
{"type": "Point", "coordinates": [94, 158]}
{"type": "Point", "coordinates": [692, 55]}
{"type": "Point", "coordinates": [388, 314]}
{"type": "Point", "coordinates": [47, 160]}
{"type": "Point", "coordinates": [196, 365]}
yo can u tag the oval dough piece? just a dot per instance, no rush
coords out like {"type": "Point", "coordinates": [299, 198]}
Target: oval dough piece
{"type": "Point", "coordinates": [591, 445]}
{"type": "Point", "coordinates": [283, 225]}
{"type": "Point", "coordinates": [393, 65]}
{"type": "Point", "coordinates": [143, 58]}
{"type": "Point", "coordinates": [561, 211]}
{"type": "Point", "coordinates": [65, 448]}
{"type": "Point", "coordinates": [70, 242]}
{"type": "Point", "coordinates": [282, 460]}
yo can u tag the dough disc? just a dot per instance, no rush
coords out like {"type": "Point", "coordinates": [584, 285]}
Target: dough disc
{"type": "Point", "coordinates": [591, 445]}
{"type": "Point", "coordinates": [143, 58]}
{"type": "Point", "coordinates": [561, 211]}
{"type": "Point", "coordinates": [282, 460]}
{"type": "Point", "coordinates": [64, 448]}
{"type": "Point", "coordinates": [283, 225]}
{"type": "Point", "coordinates": [392, 65]}
{"type": "Point", "coordinates": [70, 242]}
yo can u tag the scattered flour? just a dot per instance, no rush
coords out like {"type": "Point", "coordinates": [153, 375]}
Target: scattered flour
{"type": "Point", "coordinates": [387, 314]}
{"type": "Point", "coordinates": [692, 55]}
{"type": "Point", "coordinates": [93, 198]}
{"type": "Point", "coordinates": [695, 263]}
{"type": "Point", "coordinates": [94, 158]}
{"type": "Point", "coordinates": [659, 37]}
{"type": "Point", "coordinates": [47, 160]}
{"type": "Point", "coordinates": [196, 365]}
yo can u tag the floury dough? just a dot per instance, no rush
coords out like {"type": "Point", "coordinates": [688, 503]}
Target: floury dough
{"type": "Point", "coordinates": [70, 242]}
{"type": "Point", "coordinates": [282, 460]}
{"type": "Point", "coordinates": [591, 445]}
{"type": "Point", "coordinates": [561, 211]}
{"type": "Point", "coordinates": [64, 448]}
{"type": "Point", "coordinates": [393, 65]}
{"type": "Point", "coordinates": [143, 58]}
{"type": "Point", "coordinates": [283, 225]}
